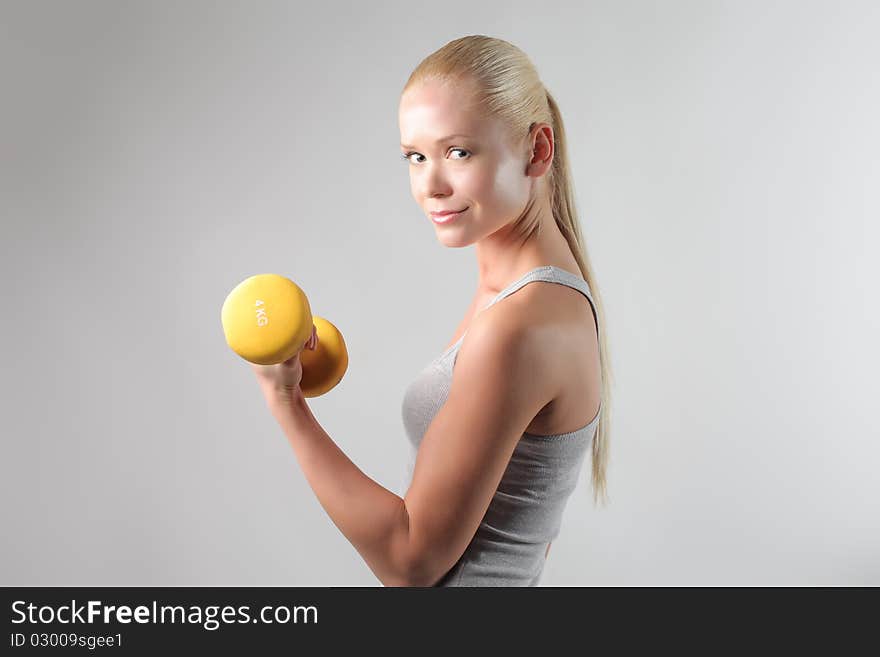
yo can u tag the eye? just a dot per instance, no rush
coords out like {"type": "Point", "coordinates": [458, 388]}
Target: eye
{"type": "Point", "coordinates": [407, 155]}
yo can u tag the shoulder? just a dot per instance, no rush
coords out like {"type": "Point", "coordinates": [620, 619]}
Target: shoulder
{"type": "Point", "coordinates": [526, 319]}
{"type": "Point", "coordinates": [506, 344]}
{"type": "Point", "coordinates": [538, 331]}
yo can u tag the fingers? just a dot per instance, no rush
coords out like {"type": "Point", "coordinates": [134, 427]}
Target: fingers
{"type": "Point", "coordinates": [312, 343]}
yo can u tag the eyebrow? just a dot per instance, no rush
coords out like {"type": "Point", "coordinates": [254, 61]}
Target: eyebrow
{"type": "Point", "coordinates": [439, 141]}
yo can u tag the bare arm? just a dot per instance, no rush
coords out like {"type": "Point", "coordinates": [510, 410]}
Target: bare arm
{"type": "Point", "coordinates": [370, 516]}
{"type": "Point", "coordinates": [498, 386]}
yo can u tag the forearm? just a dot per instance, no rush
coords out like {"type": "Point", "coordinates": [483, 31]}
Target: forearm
{"type": "Point", "coordinates": [371, 517]}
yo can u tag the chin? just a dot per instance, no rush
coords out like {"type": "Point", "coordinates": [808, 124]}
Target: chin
{"type": "Point", "coordinates": [453, 242]}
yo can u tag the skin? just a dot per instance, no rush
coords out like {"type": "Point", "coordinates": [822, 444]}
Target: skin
{"type": "Point", "coordinates": [498, 177]}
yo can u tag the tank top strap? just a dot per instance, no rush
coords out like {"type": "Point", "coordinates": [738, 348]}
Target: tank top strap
{"type": "Point", "coordinates": [546, 273]}
{"type": "Point", "coordinates": [552, 274]}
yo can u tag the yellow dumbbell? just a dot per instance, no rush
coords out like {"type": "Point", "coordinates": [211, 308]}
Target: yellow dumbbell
{"type": "Point", "coordinates": [267, 319]}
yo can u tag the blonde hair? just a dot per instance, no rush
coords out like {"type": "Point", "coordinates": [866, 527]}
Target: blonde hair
{"type": "Point", "coordinates": [507, 86]}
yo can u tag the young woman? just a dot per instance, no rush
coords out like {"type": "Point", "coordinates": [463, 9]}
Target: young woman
{"type": "Point", "coordinates": [501, 421]}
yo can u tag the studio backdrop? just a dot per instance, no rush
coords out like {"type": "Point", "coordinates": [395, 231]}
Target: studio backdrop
{"type": "Point", "coordinates": [724, 157]}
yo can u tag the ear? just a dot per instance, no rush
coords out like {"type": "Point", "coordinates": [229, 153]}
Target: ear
{"type": "Point", "coordinates": [542, 143]}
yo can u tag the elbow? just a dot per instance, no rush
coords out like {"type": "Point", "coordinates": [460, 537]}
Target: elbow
{"type": "Point", "coordinates": [408, 577]}
{"type": "Point", "coordinates": [403, 582]}
{"type": "Point", "coordinates": [419, 562]}
{"type": "Point", "coordinates": [425, 570]}
{"type": "Point", "coordinates": [406, 563]}
{"type": "Point", "coordinates": [420, 577]}
{"type": "Point", "coordinates": [409, 572]}
{"type": "Point", "coordinates": [414, 571]}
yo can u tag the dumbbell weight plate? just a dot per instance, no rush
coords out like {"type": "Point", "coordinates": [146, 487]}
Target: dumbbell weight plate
{"type": "Point", "coordinates": [324, 367]}
{"type": "Point", "coordinates": [266, 319]}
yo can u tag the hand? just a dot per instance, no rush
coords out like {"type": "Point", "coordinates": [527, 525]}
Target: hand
{"type": "Point", "coordinates": [280, 382]}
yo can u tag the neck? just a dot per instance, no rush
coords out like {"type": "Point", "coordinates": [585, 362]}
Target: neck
{"type": "Point", "coordinates": [504, 256]}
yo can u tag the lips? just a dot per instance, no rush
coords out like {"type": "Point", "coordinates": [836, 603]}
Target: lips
{"type": "Point", "coordinates": [441, 213]}
{"type": "Point", "coordinates": [445, 216]}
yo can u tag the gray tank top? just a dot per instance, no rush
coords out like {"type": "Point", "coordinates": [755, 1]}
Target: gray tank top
{"type": "Point", "coordinates": [524, 516]}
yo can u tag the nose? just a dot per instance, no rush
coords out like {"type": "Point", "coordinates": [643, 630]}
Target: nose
{"type": "Point", "coordinates": [434, 183]}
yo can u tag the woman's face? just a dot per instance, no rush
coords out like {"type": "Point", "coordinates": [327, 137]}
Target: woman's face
{"type": "Point", "coordinates": [481, 171]}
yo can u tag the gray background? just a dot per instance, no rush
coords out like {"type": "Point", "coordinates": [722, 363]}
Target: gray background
{"type": "Point", "coordinates": [152, 155]}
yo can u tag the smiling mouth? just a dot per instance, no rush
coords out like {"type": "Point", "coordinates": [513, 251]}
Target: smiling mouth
{"type": "Point", "coordinates": [444, 218]}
